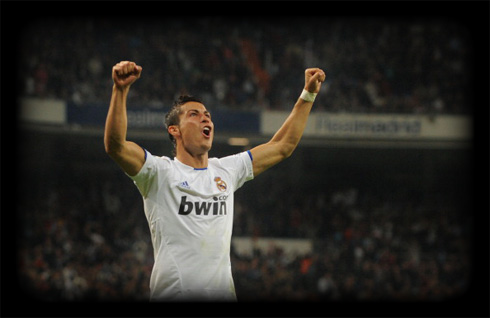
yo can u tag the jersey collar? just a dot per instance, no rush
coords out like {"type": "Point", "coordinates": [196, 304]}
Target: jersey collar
{"type": "Point", "coordinates": [187, 167]}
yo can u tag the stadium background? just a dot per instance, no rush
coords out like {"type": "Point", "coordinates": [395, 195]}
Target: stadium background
{"type": "Point", "coordinates": [380, 219]}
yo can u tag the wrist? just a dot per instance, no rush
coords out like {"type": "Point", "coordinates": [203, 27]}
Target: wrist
{"type": "Point", "coordinates": [122, 89]}
{"type": "Point", "coordinates": [307, 96]}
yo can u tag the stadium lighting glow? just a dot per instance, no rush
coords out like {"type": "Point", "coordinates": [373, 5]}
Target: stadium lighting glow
{"type": "Point", "coordinates": [237, 141]}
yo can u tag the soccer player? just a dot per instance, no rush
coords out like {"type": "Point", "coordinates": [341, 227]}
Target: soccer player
{"type": "Point", "coordinates": [188, 200]}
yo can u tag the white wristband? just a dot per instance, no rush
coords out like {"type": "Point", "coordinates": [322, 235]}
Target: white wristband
{"type": "Point", "coordinates": [307, 96]}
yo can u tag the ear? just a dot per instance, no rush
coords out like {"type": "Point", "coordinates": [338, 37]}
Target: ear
{"type": "Point", "coordinates": [174, 131]}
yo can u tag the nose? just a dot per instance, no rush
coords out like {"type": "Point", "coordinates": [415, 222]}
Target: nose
{"type": "Point", "coordinates": [205, 119]}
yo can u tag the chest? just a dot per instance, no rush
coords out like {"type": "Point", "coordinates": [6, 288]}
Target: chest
{"type": "Point", "coordinates": [204, 184]}
{"type": "Point", "coordinates": [204, 194]}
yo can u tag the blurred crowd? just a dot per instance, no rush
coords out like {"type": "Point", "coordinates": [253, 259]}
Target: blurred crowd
{"type": "Point", "coordinates": [84, 243]}
{"type": "Point", "coordinates": [372, 65]}
{"type": "Point", "coordinates": [92, 242]}
{"type": "Point", "coordinates": [366, 248]}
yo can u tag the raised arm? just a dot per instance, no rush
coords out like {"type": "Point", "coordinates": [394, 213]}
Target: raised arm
{"type": "Point", "coordinates": [128, 155]}
{"type": "Point", "coordinates": [283, 143]}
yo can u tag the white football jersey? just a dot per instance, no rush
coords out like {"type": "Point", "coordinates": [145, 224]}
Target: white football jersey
{"type": "Point", "coordinates": [190, 215]}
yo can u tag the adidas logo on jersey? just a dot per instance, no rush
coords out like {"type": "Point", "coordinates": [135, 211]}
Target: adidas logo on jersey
{"type": "Point", "coordinates": [215, 207]}
{"type": "Point", "coordinates": [184, 185]}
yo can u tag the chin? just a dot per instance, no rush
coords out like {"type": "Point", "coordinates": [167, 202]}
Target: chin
{"type": "Point", "coordinates": [206, 147]}
{"type": "Point", "coordinates": [209, 143]}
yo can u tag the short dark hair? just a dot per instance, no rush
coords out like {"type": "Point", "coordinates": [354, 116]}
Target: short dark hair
{"type": "Point", "coordinates": [173, 115]}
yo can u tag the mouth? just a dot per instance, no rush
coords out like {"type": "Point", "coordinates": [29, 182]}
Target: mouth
{"type": "Point", "coordinates": [206, 132]}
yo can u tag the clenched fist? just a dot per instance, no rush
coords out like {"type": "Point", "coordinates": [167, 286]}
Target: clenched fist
{"type": "Point", "coordinates": [314, 77]}
{"type": "Point", "coordinates": [125, 73]}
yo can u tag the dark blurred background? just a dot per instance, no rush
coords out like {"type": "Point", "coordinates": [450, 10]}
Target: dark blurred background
{"type": "Point", "coordinates": [384, 219]}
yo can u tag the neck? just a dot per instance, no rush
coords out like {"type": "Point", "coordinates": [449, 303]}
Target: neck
{"type": "Point", "coordinates": [199, 161]}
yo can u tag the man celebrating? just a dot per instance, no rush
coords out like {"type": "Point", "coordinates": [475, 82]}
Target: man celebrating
{"type": "Point", "coordinates": [188, 200]}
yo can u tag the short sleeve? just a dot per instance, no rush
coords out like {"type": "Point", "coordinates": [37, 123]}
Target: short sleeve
{"type": "Point", "coordinates": [241, 167]}
{"type": "Point", "coordinates": [146, 177]}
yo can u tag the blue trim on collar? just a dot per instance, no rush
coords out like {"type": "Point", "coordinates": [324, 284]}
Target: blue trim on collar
{"type": "Point", "coordinates": [200, 168]}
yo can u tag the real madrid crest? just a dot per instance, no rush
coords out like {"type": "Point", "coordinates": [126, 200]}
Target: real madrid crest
{"type": "Point", "coordinates": [221, 184]}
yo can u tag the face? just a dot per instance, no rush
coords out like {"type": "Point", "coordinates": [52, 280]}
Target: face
{"type": "Point", "coordinates": [195, 131]}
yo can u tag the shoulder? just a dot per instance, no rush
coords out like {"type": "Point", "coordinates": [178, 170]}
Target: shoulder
{"type": "Point", "coordinates": [231, 161]}
{"type": "Point", "coordinates": [158, 160]}
{"type": "Point", "coordinates": [153, 164]}
{"type": "Point", "coordinates": [239, 165]}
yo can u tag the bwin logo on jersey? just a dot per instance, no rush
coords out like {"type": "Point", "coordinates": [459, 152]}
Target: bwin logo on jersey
{"type": "Point", "coordinates": [218, 206]}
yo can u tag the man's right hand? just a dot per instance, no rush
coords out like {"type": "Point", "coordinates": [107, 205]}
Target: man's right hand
{"type": "Point", "coordinates": [125, 73]}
